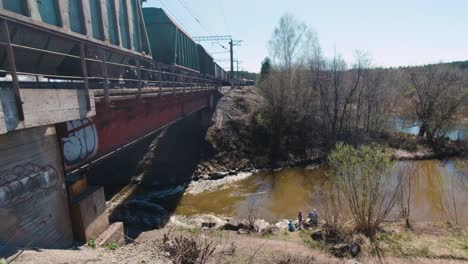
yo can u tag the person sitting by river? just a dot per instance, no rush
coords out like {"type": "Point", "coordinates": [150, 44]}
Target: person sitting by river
{"type": "Point", "coordinates": [313, 218]}
{"type": "Point", "coordinates": [299, 218]}
{"type": "Point", "coordinates": [291, 226]}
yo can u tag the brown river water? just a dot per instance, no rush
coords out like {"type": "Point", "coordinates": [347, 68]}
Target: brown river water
{"type": "Point", "coordinates": [281, 194]}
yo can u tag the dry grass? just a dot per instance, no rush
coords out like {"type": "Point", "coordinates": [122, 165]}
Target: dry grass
{"type": "Point", "coordinates": [426, 243]}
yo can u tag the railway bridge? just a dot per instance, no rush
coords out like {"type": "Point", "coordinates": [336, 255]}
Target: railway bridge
{"type": "Point", "coordinates": [81, 81]}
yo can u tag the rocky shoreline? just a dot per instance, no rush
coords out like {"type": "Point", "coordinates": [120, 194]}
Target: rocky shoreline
{"type": "Point", "coordinates": [216, 172]}
{"type": "Point", "coordinates": [232, 143]}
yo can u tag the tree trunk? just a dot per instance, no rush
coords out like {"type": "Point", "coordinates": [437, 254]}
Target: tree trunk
{"type": "Point", "coordinates": [422, 130]}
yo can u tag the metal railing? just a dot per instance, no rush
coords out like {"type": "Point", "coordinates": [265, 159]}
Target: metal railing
{"type": "Point", "coordinates": [99, 70]}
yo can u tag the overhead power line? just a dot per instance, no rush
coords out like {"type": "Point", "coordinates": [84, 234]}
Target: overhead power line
{"type": "Point", "coordinates": [224, 16]}
{"type": "Point", "coordinates": [189, 11]}
{"type": "Point", "coordinates": [232, 44]}
{"type": "Point", "coordinates": [173, 14]}
{"type": "Point", "coordinates": [213, 38]}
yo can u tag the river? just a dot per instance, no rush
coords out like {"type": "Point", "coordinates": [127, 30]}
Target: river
{"type": "Point", "coordinates": [458, 132]}
{"type": "Point", "coordinates": [281, 194]}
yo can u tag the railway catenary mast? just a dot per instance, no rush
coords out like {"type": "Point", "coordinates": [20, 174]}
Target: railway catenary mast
{"type": "Point", "coordinates": [232, 44]}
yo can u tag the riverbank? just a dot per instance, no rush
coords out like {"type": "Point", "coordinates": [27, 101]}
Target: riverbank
{"type": "Point", "coordinates": [235, 143]}
{"type": "Point", "coordinates": [425, 243]}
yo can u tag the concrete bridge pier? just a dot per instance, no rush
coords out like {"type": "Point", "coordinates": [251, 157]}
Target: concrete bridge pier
{"type": "Point", "coordinates": [54, 163]}
{"type": "Point", "coordinates": [34, 204]}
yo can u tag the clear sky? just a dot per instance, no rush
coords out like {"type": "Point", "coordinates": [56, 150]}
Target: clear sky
{"type": "Point", "coordinates": [393, 32]}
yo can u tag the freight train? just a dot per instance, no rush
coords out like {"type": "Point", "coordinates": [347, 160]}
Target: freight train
{"type": "Point", "coordinates": [171, 45]}
{"type": "Point", "coordinates": [52, 38]}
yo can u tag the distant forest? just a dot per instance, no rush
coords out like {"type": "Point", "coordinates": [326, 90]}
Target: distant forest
{"type": "Point", "coordinates": [249, 75]}
{"type": "Point", "coordinates": [462, 65]}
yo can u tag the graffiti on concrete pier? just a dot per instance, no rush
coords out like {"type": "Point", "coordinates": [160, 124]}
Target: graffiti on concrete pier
{"type": "Point", "coordinates": [22, 182]}
{"type": "Point", "coordinates": [81, 144]}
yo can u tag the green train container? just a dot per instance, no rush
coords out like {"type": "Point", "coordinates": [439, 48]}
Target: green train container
{"type": "Point", "coordinates": [206, 62]}
{"type": "Point", "coordinates": [118, 22]}
{"type": "Point", "coordinates": [169, 43]}
{"type": "Point", "coordinates": [56, 25]}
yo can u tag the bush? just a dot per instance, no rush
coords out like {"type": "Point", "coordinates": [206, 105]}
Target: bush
{"type": "Point", "coordinates": [112, 246]}
{"type": "Point", "coordinates": [188, 250]}
{"type": "Point", "coordinates": [364, 175]}
{"type": "Point", "coordinates": [91, 243]}
{"type": "Point", "coordinates": [294, 259]}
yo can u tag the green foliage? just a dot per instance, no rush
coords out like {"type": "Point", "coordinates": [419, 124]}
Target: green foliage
{"type": "Point", "coordinates": [263, 119]}
{"type": "Point", "coordinates": [91, 243]}
{"type": "Point", "coordinates": [284, 235]}
{"type": "Point", "coordinates": [409, 91]}
{"type": "Point", "coordinates": [319, 245]}
{"type": "Point", "coordinates": [307, 239]}
{"type": "Point", "coordinates": [112, 246]}
{"type": "Point", "coordinates": [459, 64]}
{"type": "Point", "coordinates": [367, 160]}
{"type": "Point", "coordinates": [247, 75]}
{"type": "Point", "coordinates": [364, 176]}
{"type": "Point", "coordinates": [401, 244]}
{"type": "Point", "coordinates": [3, 261]}
{"type": "Point", "coordinates": [266, 68]}
{"type": "Point", "coordinates": [193, 231]}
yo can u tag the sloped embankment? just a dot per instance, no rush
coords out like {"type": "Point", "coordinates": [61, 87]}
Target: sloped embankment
{"type": "Point", "coordinates": [231, 143]}
{"type": "Point", "coordinates": [236, 142]}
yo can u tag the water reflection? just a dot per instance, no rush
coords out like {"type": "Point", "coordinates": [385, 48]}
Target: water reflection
{"type": "Point", "coordinates": [459, 131]}
{"type": "Point", "coordinates": [279, 195]}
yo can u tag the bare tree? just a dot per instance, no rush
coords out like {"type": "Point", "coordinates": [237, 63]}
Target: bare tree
{"type": "Point", "coordinates": [331, 206]}
{"type": "Point", "coordinates": [285, 89]}
{"type": "Point", "coordinates": [341, 91]}
{"type": "Point", "coordinates": [454, 189]}
{"type": "Point", "coordinates": [438, 95]}
{"type": "Point", "coordinates": [407, 172]}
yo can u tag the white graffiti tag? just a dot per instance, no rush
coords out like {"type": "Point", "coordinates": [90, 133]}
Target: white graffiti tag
{"type": "Point", "coordinates": [82, 143]}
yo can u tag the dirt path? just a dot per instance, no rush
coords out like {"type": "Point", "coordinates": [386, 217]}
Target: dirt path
{"type": "Point", "coordinates": [230, 248]}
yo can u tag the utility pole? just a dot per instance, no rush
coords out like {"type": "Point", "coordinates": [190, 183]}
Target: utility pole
{"type": "Point", "coordinates": [232, 44]}
{"type": "Point", "coordinates": [238, 76]}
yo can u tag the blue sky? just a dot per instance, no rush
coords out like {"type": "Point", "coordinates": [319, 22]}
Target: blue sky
{"type": "Point", "coordinates": [393, 32]}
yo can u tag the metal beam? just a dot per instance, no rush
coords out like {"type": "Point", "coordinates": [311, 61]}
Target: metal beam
{"type": "Point", "coordinates": [106, 77]}
{"type": "Point", "coordinates": [12, 66]}
{"type": "Point", "coordinates": [84, 70]}
{"type": "Point", "coordinates": [138, 64]}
